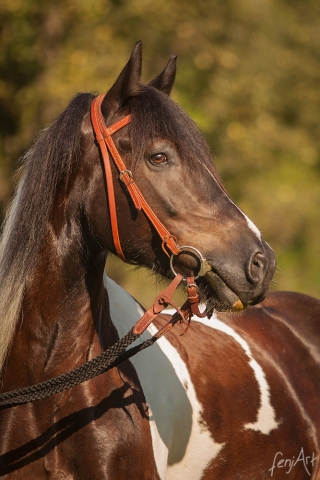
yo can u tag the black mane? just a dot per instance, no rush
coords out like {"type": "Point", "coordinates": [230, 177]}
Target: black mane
{"type": "Point", "coordinates": [48, 164]}
{"type": "Point", "coordinates": [47, 167]}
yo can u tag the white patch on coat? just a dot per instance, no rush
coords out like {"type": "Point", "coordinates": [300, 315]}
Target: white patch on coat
{"type": "Point", "coordinates": [266, 416]}
{"type": "Point", "coordinates": [252, 226]}
{"type": "Point", "coordinates": [183, 446]}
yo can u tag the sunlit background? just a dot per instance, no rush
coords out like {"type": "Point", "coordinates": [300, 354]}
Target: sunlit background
{"type": "Point", "coordinates": [248, 74]}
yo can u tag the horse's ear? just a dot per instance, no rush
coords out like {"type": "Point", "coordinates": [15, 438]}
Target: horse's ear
{"type": "Point", "coordinates": [127, 84]}
{"type": "Point", "coordinates": [165, 80]}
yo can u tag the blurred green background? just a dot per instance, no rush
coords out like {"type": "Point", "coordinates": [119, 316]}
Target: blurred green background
{"type": "Point", "coordinates": [248, 74]}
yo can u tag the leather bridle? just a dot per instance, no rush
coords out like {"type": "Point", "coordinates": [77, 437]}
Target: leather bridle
{"type": "Point", "coordinates": [103, 136]}
{"type": "Point", "coordinates": [108, 149]}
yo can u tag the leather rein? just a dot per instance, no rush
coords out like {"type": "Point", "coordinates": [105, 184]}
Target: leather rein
{"type": "Point", "coordinates": [118, 352]}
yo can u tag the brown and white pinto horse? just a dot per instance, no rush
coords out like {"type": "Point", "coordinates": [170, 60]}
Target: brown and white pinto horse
{"type": "Point", "coordinates": [237, 397]}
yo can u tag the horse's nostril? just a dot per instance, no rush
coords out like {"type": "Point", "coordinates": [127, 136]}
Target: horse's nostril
{"type": "Point", "coordinates": [257, 267]}
{"type": "Point", "coordinates": [257, 263]}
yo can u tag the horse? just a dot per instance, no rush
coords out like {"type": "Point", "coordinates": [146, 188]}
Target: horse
{"type": "Point", "coordinates": [231, 394]}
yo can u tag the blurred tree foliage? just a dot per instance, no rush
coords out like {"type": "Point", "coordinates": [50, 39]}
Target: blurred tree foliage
{"type": "Point", "coordinates": [248, 74]}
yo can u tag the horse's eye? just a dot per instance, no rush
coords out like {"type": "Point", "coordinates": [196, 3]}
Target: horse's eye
{"type": "Point", "coordinates": [159, 159]}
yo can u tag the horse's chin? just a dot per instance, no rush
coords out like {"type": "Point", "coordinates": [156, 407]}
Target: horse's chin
{"type": "Point", "coordinates": [216, 295]}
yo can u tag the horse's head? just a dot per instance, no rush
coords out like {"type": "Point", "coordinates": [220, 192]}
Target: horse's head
{"type": "Point", "coordinates": [171, 164]}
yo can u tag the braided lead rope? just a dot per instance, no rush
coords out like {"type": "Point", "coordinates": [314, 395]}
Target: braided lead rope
{"type": "Point", "coordinates": [103, 362]}
{"type": "Point", "coordinates": [110, 358]}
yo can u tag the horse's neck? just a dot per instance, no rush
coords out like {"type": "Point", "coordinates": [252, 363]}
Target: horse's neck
{"type": "Point", "coordinates": [64, 318]}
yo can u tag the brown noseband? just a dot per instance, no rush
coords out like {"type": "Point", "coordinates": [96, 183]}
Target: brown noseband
{"type": "Point", "coordinates": [103, 136]}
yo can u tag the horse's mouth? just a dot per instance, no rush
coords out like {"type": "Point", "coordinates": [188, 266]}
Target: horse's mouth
{"type": "Point", "coordinates": [218, 295]}
{"type": "Point", "coordinates": [214, 292]}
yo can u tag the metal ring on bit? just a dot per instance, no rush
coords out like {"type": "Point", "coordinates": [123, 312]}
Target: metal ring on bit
{"type": "Point", "coordinates": [185, 249]}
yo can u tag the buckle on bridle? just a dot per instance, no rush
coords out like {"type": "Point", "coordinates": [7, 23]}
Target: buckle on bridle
{"type": "Point", "coordinates": [122, 178]}
{"type": "Point", "coordinates": [204, 268]}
